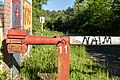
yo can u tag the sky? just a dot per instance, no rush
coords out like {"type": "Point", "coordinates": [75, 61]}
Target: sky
{"type": "Point", "coordinates": [1, 2]}
{"type": "Point", "coordinates": [58, 4]}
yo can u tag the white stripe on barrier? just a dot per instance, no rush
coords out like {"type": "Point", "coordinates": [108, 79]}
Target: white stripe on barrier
{"type": "Point", "coordinates": [95, 40]}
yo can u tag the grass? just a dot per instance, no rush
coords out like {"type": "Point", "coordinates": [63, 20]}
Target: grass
{"type": "Point", "coordinates": [42, 63]}
{"type": "Point", "coordinates": [42, 60]}
{"type": "Point", "coordinates": [84, 68]}
{"type": "Point", "coordinates": [4, 75]}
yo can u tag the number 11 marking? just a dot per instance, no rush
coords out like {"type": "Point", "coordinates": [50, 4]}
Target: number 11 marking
{"type": "Point", "coordinates": [60, 49]}
{"type": "Point", "coordinates": [65, 49]}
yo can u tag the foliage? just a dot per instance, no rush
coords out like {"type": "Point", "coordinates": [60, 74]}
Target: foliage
{"type": "Point", "coordinates": [84, 68]}
{"type": "Point", "coordinates": [3, 75]}
{"type": "Point", "coordinates": [42, 63]}
{"type": "Point", "coordinates": [36, 11]}
{"type": "Point", "coordinates": [38, 3]}
{"type": "Point", "coordinates": [42, 60]}
{"type": "Point", "coordinates": [87, 17]}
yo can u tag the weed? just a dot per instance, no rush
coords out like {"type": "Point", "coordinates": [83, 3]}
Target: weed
{"type": "Point", "coordinates": [42, 64]}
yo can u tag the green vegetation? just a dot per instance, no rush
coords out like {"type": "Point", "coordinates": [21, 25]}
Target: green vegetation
{"type": "Point", "coordinates": [87, 17]}
{"type": "Point", "coordinates": [42, 63]}
{"type": "Point", "coordinates": [83, 68]}
{"type": "Point", "coordinates": [4, 75]}
{"type": "Point", "coordinates": [43, 59]}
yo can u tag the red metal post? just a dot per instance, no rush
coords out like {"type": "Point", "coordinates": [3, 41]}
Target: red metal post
{"type": "Point", "coordinates": [63, 60]}
{"type": "Point", "coordinates": [17, 41]}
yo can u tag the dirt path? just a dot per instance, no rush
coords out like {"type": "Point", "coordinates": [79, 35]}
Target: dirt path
{"type": "Point", "coordinates": [107, 55]}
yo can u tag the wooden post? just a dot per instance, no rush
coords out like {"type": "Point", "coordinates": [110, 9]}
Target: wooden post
{"type": "Point", "coordinates": [63, 61]}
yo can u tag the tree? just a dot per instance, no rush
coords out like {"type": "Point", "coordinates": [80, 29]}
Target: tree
{"type": "Point", "coordinates": [87, 17]}
{"type": "Point", "coordinates": [36, 12]}
{"type": "Point", "coordinates": [38, 3]}
{"type": "Point", "coordinates": [93, 15]}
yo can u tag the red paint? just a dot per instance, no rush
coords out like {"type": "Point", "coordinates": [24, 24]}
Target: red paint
{"type": "Point", "coordinates": [37, 40]}
{"type": "Point", "coordinates": [17, 41]}
{"type": "Point", "coordinates": [20, 36]}
{"type": "Point", "coordinates": [16, 12]}
{"type": "Point", "coordinates": [17, 33]}
{"type": "Point", "coordinates": [15, 1]}
{"type": "Point", "coordinates": [63, 61]}
{"type": "Point", "coordinates": [17, 48]}
{"type": "Point", "coordinates": [17, 16]}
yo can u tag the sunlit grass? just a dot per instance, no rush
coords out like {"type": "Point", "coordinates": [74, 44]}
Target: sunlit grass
{"type": "Point", "coordinates": [84, 68]}
{"type": "Point", "coordinates": [42, 63]}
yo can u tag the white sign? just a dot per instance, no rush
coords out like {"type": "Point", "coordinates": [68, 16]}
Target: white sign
{"type": "Point", "coordinates": [42, 19]}
{"type": "Point", "coordinates": [95, 40]}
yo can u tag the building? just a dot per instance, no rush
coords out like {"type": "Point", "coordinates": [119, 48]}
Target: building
{"type": "Point", "coordinates": [14, 14]}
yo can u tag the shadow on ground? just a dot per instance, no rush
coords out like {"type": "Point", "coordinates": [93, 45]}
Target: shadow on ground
{"type": "Point", "coordinates": [109, 56]}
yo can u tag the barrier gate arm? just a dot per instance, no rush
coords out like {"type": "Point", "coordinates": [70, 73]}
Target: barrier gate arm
{"type": "Point", "coordinates": [17, 41]}
{"type": "Point", "coordinates": [37, 40]}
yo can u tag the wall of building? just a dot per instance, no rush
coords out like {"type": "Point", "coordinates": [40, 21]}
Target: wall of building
{"type": "Point", "coordinates": [1, 31]}
{"type": "Point", "coordinates": [7, 16]}
{"type": "Point", "coordinates": [17, 14]}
